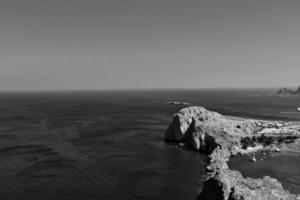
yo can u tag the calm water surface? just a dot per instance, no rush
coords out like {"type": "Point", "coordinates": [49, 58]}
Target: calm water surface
{"type": "Point", "coordinates": [109, 144]}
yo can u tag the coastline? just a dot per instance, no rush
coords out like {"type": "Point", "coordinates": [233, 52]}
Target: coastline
{"type": "Point", "coordinates": [221, 137]}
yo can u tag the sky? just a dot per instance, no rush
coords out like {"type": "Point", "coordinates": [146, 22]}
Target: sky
{"type": "Point", "coordinates": [148, 44]}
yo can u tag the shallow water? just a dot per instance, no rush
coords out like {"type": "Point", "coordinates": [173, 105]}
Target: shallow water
{"type": "Point", "coordinates": [110, 144]}
{"type": "Point", "coordinates": [284, 166]}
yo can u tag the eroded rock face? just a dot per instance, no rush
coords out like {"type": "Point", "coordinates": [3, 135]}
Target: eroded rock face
{"type": "Point", "coordinates": [221, 137]}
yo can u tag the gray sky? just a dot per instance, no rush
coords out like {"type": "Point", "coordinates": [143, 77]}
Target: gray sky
{"type": "Point", "coordinates": [113, 44]}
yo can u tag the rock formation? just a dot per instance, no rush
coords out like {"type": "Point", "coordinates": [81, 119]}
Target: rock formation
{"type": "Point", "coordinates": [284, 92]}
{"type": "Point", "coordinates": [297, 92]}
{"type": "Point", "coordinates": [221, 137]}
{"type": "Point", "coordinates": [288, 92]}
{"type": "Point", "coordinates": [178, 103]}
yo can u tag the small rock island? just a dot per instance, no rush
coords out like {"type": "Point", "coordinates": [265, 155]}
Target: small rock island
{"type": "Point", "coordinates": [288, 92]}
{"type": "Point", "coordinates": [180, 103]}
{"type": "Point", "coordinates": [221, 137]}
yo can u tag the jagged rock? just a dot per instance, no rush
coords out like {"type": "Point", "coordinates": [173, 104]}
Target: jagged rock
{"type": "Point", "coordinates": [221, 137]}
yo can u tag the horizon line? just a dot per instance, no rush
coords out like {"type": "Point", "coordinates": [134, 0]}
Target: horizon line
{"type": "Point", "coordinates": [140, 89]}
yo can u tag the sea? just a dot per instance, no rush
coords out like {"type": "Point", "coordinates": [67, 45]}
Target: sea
{"type": "Point", "coordinates": [77, 145]}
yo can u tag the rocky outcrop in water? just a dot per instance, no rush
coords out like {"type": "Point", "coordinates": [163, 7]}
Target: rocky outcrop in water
{"type": "Point", "coordinates": [297, 92]}
{"type": "Point", "coordinates": [221, 137]}
{"type": "Point", "coordinates": [288, 92]}
{"type": "Point", "coordinates": [180, 103]}
{"type": "Point", "coordinates": [284, 92]}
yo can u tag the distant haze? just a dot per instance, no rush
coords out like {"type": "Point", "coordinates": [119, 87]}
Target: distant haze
{"type": "Point", "coordinates": [124, 44]}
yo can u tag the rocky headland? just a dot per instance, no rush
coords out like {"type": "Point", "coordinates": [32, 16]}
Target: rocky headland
{"type": "Point", "coordinates": [288, 92]}
{"type": "Point", "coordinates": [221, 137]}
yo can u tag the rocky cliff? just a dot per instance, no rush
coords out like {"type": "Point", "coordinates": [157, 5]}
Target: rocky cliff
{"type": "Point", "coordinates": [221, 137]}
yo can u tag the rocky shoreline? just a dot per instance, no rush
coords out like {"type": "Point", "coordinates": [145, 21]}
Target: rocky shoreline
{"type": "Point", "coordinates": [220, 138]}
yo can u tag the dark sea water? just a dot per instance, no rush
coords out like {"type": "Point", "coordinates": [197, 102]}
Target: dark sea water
{"type": "Point", "coordinates": [110, 144]}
